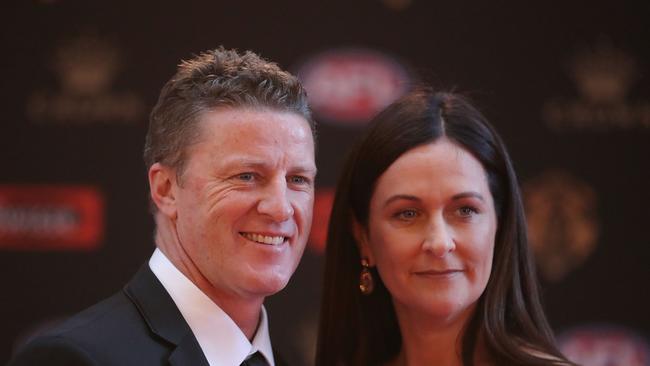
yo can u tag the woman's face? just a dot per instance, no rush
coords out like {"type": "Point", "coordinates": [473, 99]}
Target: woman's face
{"type": "Point", "coordinates": [431, 231]}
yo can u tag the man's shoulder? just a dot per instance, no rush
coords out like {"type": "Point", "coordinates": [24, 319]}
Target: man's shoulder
{"type": "Point", "coordinates": [113, 317]}
{"type": "Point", "coordinates": [92, 337]}
{"type": "Point", "coordinates": [80, 339]}
{"type": "Point", "coordinates": [113, 331]}
{"type": "Point", "coordinates": [53, 350]}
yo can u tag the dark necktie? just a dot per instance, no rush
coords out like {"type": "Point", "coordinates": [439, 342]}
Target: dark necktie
{"type": "Point", "coordinates": [255, 360]}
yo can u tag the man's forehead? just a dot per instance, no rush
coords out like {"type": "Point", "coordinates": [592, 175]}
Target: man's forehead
{"type": "Point", "coordinates": [259, 137]}
{"type": "Point", "coordinates": [268, 161]}
{"type": "Point", "coordinates": [241, 118]}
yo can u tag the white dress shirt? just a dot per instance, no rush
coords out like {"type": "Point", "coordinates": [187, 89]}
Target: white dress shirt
{"type": "Point", "coordinates": [221, 340]}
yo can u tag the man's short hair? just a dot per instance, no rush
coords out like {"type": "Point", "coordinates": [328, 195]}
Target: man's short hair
{"type": "Point", "coordinates": [213, 79]}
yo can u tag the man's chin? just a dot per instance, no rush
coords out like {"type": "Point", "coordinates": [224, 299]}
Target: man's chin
{"type": "Point", "coordinates": [268, 285]}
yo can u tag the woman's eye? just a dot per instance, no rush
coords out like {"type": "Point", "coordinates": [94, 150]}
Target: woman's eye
{"type": "Point", "coordinates": [467, 211]}
{"type": "Point", "coordinates": [406, 215]}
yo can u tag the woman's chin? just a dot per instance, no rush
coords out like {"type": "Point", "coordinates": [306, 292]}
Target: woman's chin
{"type": "Point", "coordinates": [443, 311]}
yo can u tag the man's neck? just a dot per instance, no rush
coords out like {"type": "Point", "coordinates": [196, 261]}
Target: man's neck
{"type": "Point", "coordinates": [244, 311]}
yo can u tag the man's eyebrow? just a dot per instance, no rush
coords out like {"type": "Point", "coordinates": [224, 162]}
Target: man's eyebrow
{"type": "Point", "coordinates": [397, 197]}
{"type": "Point", "coordinates": [309, 169]}
{"type": "Point", "coordinates": [238, 161]}
{"type": "Point", "coordinates": [261, 164]}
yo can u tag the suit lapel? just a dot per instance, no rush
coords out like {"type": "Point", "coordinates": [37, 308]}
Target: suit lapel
{"type": "Point", "coordinates": [279, 361]}
{"type": "Point", "coordinates": [163, 317]}
{"type": "Point", "coordinates": [188, 352]}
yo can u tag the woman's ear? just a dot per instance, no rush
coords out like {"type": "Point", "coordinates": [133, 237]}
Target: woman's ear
{"type": "Point", "coordinates": [361, 237]}
{"type": "Point", "coordinates": [162, 185]}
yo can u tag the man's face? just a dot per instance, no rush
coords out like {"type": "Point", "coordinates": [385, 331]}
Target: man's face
{"type": "Point", "coordinates": [244, 200]}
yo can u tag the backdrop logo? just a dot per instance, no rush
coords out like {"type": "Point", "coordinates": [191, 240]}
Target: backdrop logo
{"type": "Point", "coordinates": [397, 5]}
{"type": "Point", "coordinates": [323, 200]}
{"type": "Point", "coordinates": [352, 85]}
{"type": "Point", "coordinates": [50, 217]}
{"type": "Point", "coordinates": [561, 222]}
{"type": "Point", "coordinates": [603, 76]}
{"type": "Point", "coordinates": [604, 346]}
{"type": "Point", "coordinates": [86, 67]}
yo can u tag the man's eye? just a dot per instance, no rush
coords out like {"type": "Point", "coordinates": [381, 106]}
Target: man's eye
{"type": "Point", "coordinates": [297, 179]}
{"type": "Point", "coordinates": [247, 177]}
{"type": "Point", "coordinates": [406, 215]}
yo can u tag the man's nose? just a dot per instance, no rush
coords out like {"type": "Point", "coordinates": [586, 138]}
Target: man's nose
{"type": "Point", "coordinates": [275, 202]}
{"type": "Point", "coordinates": [438, 238]}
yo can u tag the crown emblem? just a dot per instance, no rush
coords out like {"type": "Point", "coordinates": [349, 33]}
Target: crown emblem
{"type": "Point", "coordinates": [86, 65]}
{"type": "Point", "coordinates": [603, 74]}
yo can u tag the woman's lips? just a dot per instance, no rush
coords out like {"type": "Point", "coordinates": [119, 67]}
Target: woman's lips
{"type": "Point", "coordinates": [438, 273]}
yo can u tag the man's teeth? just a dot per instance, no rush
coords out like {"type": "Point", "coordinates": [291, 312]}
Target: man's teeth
{"type": "Point", "coordinates": [264, 239]}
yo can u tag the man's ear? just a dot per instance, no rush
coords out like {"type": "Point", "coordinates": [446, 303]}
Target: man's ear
{"type": "Point", "coordinates": [162, 186]}
{"type": "Point", "coordinates": [361, 237]}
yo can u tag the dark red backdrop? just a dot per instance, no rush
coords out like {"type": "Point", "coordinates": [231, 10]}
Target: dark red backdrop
{"type": "Point", "coordinates": [535, 70]}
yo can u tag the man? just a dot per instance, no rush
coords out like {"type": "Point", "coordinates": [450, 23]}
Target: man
{"type": "Point", "coordinates": [230, 157]}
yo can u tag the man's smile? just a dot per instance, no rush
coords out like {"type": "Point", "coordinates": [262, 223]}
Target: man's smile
{"type": "Point", "coordinates": [264, 239]}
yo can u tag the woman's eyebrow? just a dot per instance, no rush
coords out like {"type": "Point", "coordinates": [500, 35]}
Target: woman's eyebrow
{"type": "Point", "coordinates": [396, 197]}
{"type": "Point", "coordinates": [468, 194]}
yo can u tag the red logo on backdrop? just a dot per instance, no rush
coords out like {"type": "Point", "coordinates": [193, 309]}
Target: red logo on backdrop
{"type": "Point", "coordinates": [352, 85]}
{"type": "Point", "coordinates": [50, 217]}
{"type": "Point", "coordinates": [605, 346]}
{"type": "Point", "coordinates": [323, 201]}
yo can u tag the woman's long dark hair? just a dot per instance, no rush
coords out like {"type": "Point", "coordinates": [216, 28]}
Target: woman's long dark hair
{"type": "Point", "coordinates": [363, 330]}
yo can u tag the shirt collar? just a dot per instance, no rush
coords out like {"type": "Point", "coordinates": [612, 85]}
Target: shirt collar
{"type": "Point", "coordinates": [221, 340]}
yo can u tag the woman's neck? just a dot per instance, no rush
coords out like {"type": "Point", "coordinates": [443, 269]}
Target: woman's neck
{"type": "Point", "coordinates": [430, 340]}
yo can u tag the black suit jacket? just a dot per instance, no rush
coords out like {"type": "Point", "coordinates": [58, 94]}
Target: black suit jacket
{"type": "Point", "coordinates": [139, 325]}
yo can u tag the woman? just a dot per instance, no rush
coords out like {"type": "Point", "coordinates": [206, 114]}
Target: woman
{"type": "Point", "coordinates": [427, 258]}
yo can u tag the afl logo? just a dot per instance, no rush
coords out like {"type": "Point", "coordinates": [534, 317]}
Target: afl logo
{"type": "Point", "coordinates": [352, 85]}
{"type": "Point", "coordinates": [561, 222]}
